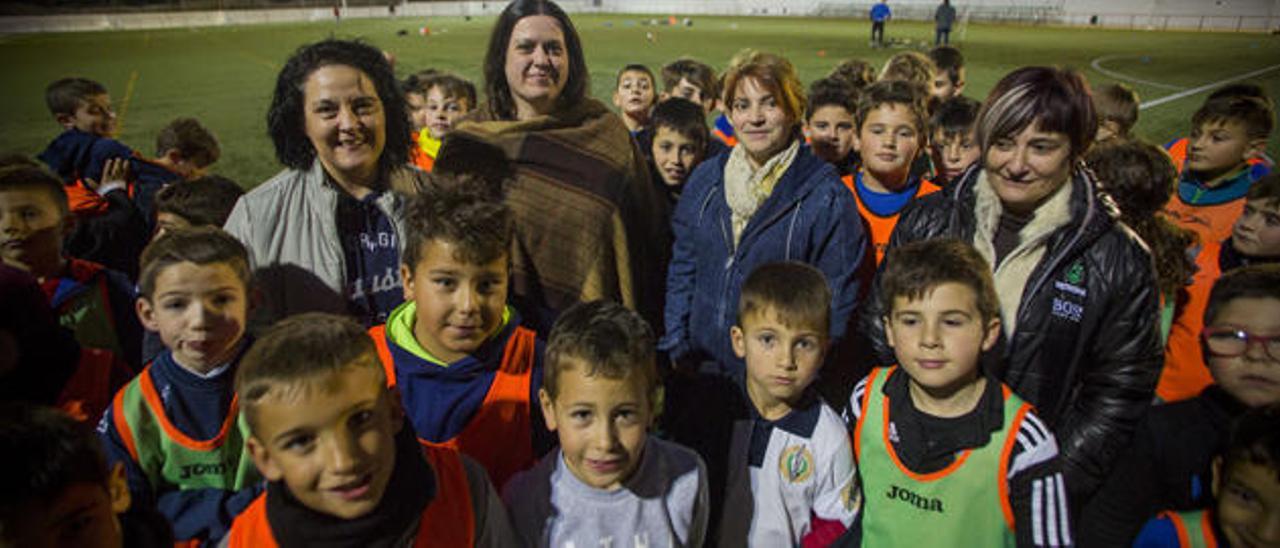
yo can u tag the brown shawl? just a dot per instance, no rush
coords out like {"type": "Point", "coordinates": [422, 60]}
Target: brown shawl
{"type": "Point", "coordinates": [589, 223]}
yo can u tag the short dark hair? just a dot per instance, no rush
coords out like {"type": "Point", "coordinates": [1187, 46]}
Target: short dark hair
{"type": "Point", "coordinates": [286, 119]}
{"type": "Point", "coordinates": [193, 141]}
{"type": "Point", "coordinates": [496, 86]}
{"type": "Point", "coordinates": [915, 269]}
{"type": "Point", "coordinates": [896, 92]}
{"type": "Point", "coordinates": [1117, 103]}
{"type": "Point", "coordinates": [23, 175]}
{"type": "Point", "coordinates": [696, 72]}
{"type": "Point", "coordinates": [797, 292]}
{"type": "Point", "coordinates": [64, 95]}
{"type": "Point", "coordinates": [1255, 114]}
{"type": "Point", "coordinates": [832, 91]}
{"type": "Point", "coordinates": [299, 349]}
{"type": "Point", "coordinates": [1266, 189]}
{"type": "Point", "coordinates": [682, 116]}
{"type": "Point", "coordinates": [608, 339]}
{"type": "Point", "coordinates": [203, 245]}
{"type": "Point", "coordinates": [1255, 439]}
{"type": "Point", "coordinates": [1259, 281]}
{"type": "Point", "coordinates": [955, 116]}
{"type": "Point", "coordinates": [949, 60]}
{"type": "Point", "coordinates": [206, 201]}
{"type": "Point", "coordinates": [633, 67]}
{"type": "Point", "coordinates": [855, 72]}
{"type": "Point", "coordinates": [451, 85]}
{"type": "Point", "coordinates": [1241, 89]}
{"type": "Point", "coordinates": [49, 451]}
{"type": "Point", "coordinates": [1141, 178]}
{"type": "Point", "coordinates": [1056, 99]}
{"type": "Point", "coordinates": [458, 209]}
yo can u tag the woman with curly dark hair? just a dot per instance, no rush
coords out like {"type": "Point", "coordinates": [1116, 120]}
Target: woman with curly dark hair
{"type": "Point", "coordinates": [323, 233]}
{"type": "Point", "coordinates": [589, 225]}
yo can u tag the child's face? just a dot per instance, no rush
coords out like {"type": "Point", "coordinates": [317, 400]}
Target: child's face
{"type": "Point", "coordinates": [602, 423]}
{"type": "Point", "coordinates": [782, 360]}
{"type": "Point", "coordinates": [762, 125]}
{"type": "Point", "coordinates": [830, 132]}
{"type": "Point", "coordinates": [199, 311]}
{"type": "Point", "coordinates": [1253, 377]}
{"type": "Point", "coordinates": [938, 338]}
{"type": "Point", "coordinates": [459, 304]}
{"type": "Point", "coordinates": [443, 111]}
{"type": "Point", "coordinates": [417, 106]}
{"type": "Point", "coordinates": [1219, 147]}
{"type": "Point", "coordinates": [31, 227]}
{"type": "Point", "coordinates": [888, 142]}
{"type": "Point", "coordinates": [1249, 504]}
{"type": "Point", "coordinates": [93, 115]}
{"type": "Point", "coordinates": [1257, 231]}
{"type": "Point", "coordinates": [634, 94]}
{"type": "Point", "coordinates": [675, 155]}
{"type": "Point", "coordinates": [691, 91]}
{"type": "Point", "coordinates": [332, 440]}
{"type": "Point", "coordinates": [952, 154]}
{"type": "Point", "coordinates": [943, 88]}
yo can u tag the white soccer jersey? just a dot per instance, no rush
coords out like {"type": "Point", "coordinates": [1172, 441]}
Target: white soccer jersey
{"type": "Point", "coordinates": [799, 469]}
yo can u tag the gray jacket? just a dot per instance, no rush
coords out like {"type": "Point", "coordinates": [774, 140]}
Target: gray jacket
{"type": "Point", "coordinates": [289, 226]}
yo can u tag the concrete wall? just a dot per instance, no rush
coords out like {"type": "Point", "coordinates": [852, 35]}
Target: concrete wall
{"type": "Point", "coordinates": [1244, 15]}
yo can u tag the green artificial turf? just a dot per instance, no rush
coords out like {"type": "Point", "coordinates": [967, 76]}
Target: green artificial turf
{"type": "Point", "coordinates": [224, 76]}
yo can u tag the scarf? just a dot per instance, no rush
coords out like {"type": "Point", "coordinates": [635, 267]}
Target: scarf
{"type": "Point", "coordinates": [589, 223]}
{"type": "Point", "coordinates": [1014, 271]}
{"type": "Point", "coordinates": [746, 188]}
{"type": "Point", "coordinates": [409, 490]}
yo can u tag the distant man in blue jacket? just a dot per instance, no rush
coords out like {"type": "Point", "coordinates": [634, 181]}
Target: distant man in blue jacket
{"type": "Point", "coordinates": [879, 14]}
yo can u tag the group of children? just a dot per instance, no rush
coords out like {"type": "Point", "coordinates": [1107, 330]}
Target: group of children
{"type": "Point", "coordinates": [456, 424]}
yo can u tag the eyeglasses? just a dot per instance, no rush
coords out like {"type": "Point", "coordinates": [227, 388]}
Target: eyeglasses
{"type": "Point", "coordinates": [1230, 342]}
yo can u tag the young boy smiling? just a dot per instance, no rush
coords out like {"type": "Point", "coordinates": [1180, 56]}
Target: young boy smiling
{"type": "Point", "coordinates": [947, 455]}
{"type": "Point", "coordinates": [175, 425]}
{"type": "Point", "coordinates": [890, 135]}
{"type": "Point", "coordinates": [343, 470]}
{"type": "Point", "coordinates": [467, 371]}
{"type": "Point", "coordinates": [609, 483]}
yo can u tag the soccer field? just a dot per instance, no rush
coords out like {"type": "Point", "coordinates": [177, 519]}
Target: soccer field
{"type": "Point", "coordinates": [224, 75]}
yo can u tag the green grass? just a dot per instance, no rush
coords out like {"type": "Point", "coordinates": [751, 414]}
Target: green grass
{"type": "Point", "coordinates": [224, 76]}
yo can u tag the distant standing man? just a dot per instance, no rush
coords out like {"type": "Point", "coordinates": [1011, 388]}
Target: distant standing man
{"type": "Point", "coordinates": [943, 18]}
{"type": "Point", "coordinates": [879, 14]}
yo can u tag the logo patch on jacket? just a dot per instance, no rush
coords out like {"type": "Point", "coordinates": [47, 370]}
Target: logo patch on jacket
{"type": "Point", "coordinates": [1068, 303]}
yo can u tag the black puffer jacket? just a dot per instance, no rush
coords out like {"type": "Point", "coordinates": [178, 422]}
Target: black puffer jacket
{"type": "Point", "coordinates": [1086, 348]}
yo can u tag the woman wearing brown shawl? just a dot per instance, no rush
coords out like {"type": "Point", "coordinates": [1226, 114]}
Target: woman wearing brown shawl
{"type": "Point", "coordinates": [589, 225]}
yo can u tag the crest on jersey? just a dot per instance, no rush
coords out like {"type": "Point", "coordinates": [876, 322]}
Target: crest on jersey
{"type": "Point", "coordinates": [796, 464]}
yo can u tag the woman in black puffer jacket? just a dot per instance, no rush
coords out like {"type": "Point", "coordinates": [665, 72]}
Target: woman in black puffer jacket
{"type": "Point", "coordinates": [1077, 289]}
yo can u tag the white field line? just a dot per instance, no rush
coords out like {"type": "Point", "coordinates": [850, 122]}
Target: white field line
{"type": "Point", "coordinates": [1097, 65]}
{"type": "Point", "coordinates": [1206, 87]}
